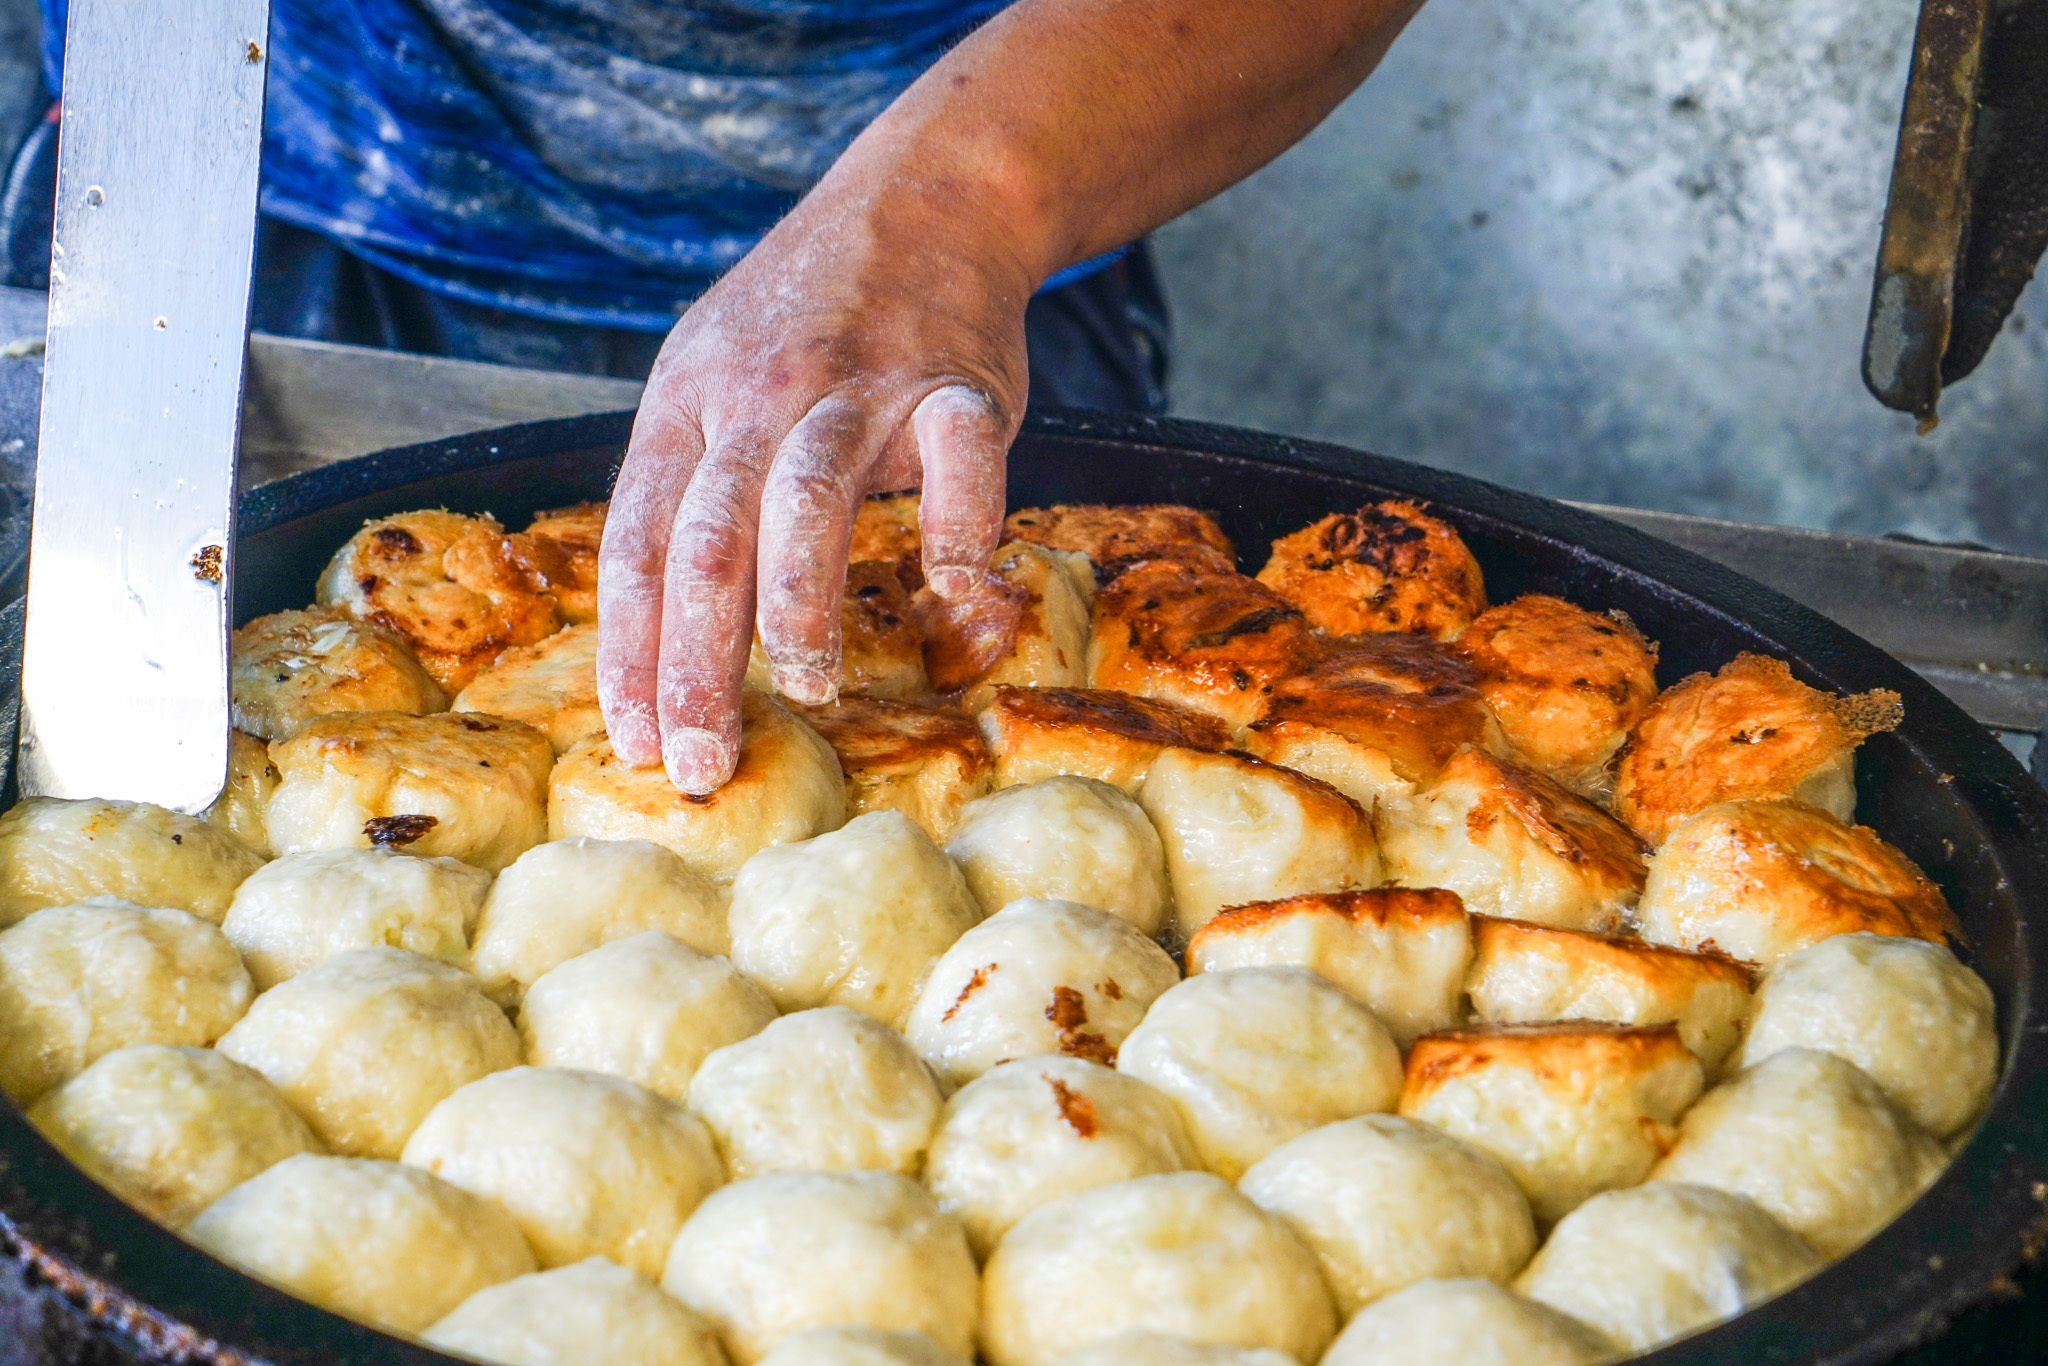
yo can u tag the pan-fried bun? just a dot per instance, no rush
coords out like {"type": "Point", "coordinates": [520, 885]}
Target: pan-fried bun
{"type": "Point", "coordinates": [1400, 952]}
{"type": "Point", "coordinates": [593, 1311]}
{"type": "Point", "coordinates": [289, 667]}
{"type": "Point", "coordinates": [238, 811]}
{"type": "Point", "coordinates": [926, 762]}
{"type": "Point", "coordinates": [1514, 843]}
{"type": "Point", "coordinates": [458, 589]}
{"type": "Point", "coordinates": [1758, 880]}
{"type": "Point", "coordinates": [1570, 1109]}
{"type": "Point", "coordinates": [1035, 1129]}
{"type": "Point", "coordinates": [587, 1165]}
{"type": "Point", "coordinates": [551, 686]}
{"type": "Point", "coordinates": [1916, 1021]}
{"type": "Point", "coordinates": [1389, 567]}
{"type": "Point", "coordinates": [1384, 1202]}
{"type": "Point", "coordinates": [855, 918]}
{"type": "Point", "coordinates": [1237, 830]}
{"type": "Point", "coordinates": [296, 912]}
{"type": "Point", "coordinates": [1465, 1322]}
{"type": "Point", "coordinates": [1025, 624]}
{"type": "Point", "coordinates": [377, 1241]}
{"type": "Point", "coordinates": [365, 1044]}
{"type": "Point", "coordinates": [1180, 1252]}
{"type": "Point", "coordinates": [1662, 1260]}
{"type": "Point", "coordinates": [54, 853]}
{"type": "Point", "coordinates": [78, 982]}
{"type": "Point", "coordinates": [1212, 641]}
{"type": "Point", "coordinates": [1113, 737]}
{"type": "Point", "coordinates": [455, 785]}
{"type": "Point", "coordinates": [1070, 839]}
{"type": "Point", "coordinates": [774, 1255]}
{"type": "Point", "coordinates": [170, 1129]}
{"type": "Point", "coordinates": [787, 786]}
{"type": "Point", "coordinates": [1526, 974]}
{"type": "Point", "coordinates": [1811, 1139]}
{"type": "Point", "coordinates": [567, 897]}
{"type": "Point", "coordinates": [1115, 537]}
{"type": "Point", "coordinates": [1257, 1056]}
{"type": "Point", "coordinates": [1036, 977]}
{"type": "Point", "coordinates": [576, 532]}
{"type": "Point", "coordinates": [885, 528]}
{"type": "Point", "coordinates": [881, 652]}
{"type": "Point", "coordinates": [1751, 731]}
{"type": "Point", "coordinates": [1376, 717]}
{"type": "Point", "coordinates": [1568, 685]}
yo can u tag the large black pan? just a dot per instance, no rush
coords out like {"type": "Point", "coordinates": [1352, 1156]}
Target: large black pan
{"type": "Point", "coordinates": [87, 1279]}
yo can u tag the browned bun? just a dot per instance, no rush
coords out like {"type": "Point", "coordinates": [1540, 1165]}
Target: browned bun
{"type": "Point", "coordinates": [926, 762]}
{"type": "Point", "coordinates": [1389, 567]}
{"type": "Point", "coordinates": [1113, 538]}
{"type": "Point", "coordinates": [576, 532]}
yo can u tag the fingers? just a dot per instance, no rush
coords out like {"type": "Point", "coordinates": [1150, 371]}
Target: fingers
{"type": "Point", "coordinates": [963, 442]}
{"type": "Point", "coordinates": [807, 508]}
{"type": "Point", "coordinates": [707, 612]}
{"type": "Point", "coordinates": [661, 456]}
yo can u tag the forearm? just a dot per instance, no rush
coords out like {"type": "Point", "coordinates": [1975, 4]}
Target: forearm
{"type": "Point", "coordinates": [1064, 128]}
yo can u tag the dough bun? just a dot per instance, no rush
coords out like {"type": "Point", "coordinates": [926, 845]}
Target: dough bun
{"type": "Point", "coordinates": [1115, 537]}
{"type": "Point", "coordinates": [289, 667]}
{"type": "Point", "coordinates": [1066, 839]}
{"type": "Point", "coordinates": [1113, 737]}
{"type": "Point", "coordinates": [1389, 567]}
{"type": "Point", "coordinates": [592, 1311]}
{"type": "Point", "coordinates": [903, 756]}
{"type": "Point", "coordinates": [300, 910]}
{"type": "Point", "coordinates": [1025, 625]}
{"type": "Point", "coordinates": [551, 686]}
{"type": "Point", "coordinates": [1465, 1322]}
{"type": "Point", "coordinates": [58, 853]}
{"type": "Point", "coordinates": [575, 534]}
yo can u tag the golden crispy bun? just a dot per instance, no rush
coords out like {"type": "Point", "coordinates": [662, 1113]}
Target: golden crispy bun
{"type": "Point", "coordinates": [1026, 625]}
{"type": "Point", "coordinates": [1527, 974]}
{"type": "Point", "coordinates": [593, 1311]}
{"type": "Point", "coordinates": [1919, 1023]}
{"type": "Point", "coordinates": [54, 853]}
{"type": "Point", "coordinates": [289, 667]}
{"type": "Point", "coordinates": [1571, 1109]}
{"type": "Point", "coordinates": [302, 909]}
{"type": "Point", "coordinates": [1400, 952]}
{"type": "Point", "coordinates": [1038, 733]}
{"type": "Point", "coordinates": [825, 1090]}
{"type": "Point", "coordinates": [461, 786]}
{"type": "Point", "coordinates": [886, 529]}
{"type": "Point", "coordinates": [567, 897]}
{"type": "Point", "coordinates": [856, 917]}
{"type": "Point", "coordinates": [926, 762]}
{"type": "Point", "coordinates": [1750, 731]}
{"type": "Point", "coordinates": [645, 1008]}
{"type": "Point", "coordinates": [1069, 839]}
{"type": "Point", "coordinates": [1661, 1260]}
{"type": "Point", "coordinates": [1514, 843]}
{"type": "Point", "coordinates": [380, 1242]}
{"type": "Point", "coordinates": [170, 1129]}
{"type": "Point", "coordinates": [365, 1044]}
{"type": "Point", "coordinates": [238, 811]}
{"type": "Point", "coordinates": [577, 533]}
{"type": "Point", "coordinates": [881, 653]}
{"type": "Point", "coordinates": [551, 686]}
{"type": "Point", "coordinates": [457, 588]}
{"type": "Point", "coordinates": [1205, 639]}
{"type": "Point", "coordinates": [1811, 1139]}
{"type": "Point", "coordinates": [1036, 977]}
{"type": "Point", "coordinates": [1179, 1253]}
{"type": "Point", "coordinates": [1758, 880]}
{"type": "Point", "coordinates": [1257, 1056]}
{"type": "Point", "coordinates": [1034, 1129]}
{"type": "Point", "coordinates": [1237, 830]}
{"type": "Point", "coordinates": [78, 982]}
{"type": "Point", "coordinates": [1465, 1322]}
{"type": "Point", "coordinates": [586, 1165]}
{"type": "Point", "coordinates": [1384, 1202]}
{"type": "Point", "coordinates": [787, 786]}
{"type": "Point", "coordinates": [1568, 685]}
{"type": "Point", "coordinates": [1389, 567]}
{"type": "Point", "coordinates": [1114, 538]}
{"type": "Point", "coordinates": [1376, 717]}
{"type": "Point", "coordinates": [773, 1255]}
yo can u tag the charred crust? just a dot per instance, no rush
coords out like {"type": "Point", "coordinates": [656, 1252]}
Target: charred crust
{"type": "Point", "coordinates": [395, 832]}
{"type": "Point", "coordinates": [974, 984]}
{"type": "Point", "coordinates": [1076, 1109]}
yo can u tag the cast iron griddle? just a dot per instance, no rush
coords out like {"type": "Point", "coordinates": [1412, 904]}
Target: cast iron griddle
{"type": "Point", "coordinates": [92, 1280]}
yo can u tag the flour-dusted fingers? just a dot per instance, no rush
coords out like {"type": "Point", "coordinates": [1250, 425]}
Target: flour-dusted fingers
{"type": "Point", "coordinates": [814, 489]}
{"type": "Point", "coordinates": [632, 567]}
{"type": "Point", "coordinates": [963, 440]}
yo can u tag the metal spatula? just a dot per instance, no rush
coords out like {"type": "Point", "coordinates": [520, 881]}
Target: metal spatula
{"type": "Point", "coordinates": [124, 675]}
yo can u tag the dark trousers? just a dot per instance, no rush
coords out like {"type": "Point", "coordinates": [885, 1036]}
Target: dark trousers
{"type": "Point", "coordinates": [1100, 342]}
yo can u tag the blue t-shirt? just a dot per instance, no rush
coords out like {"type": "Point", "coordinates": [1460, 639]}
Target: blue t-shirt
{"type": "Point", "coordinates": [595, 161]}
